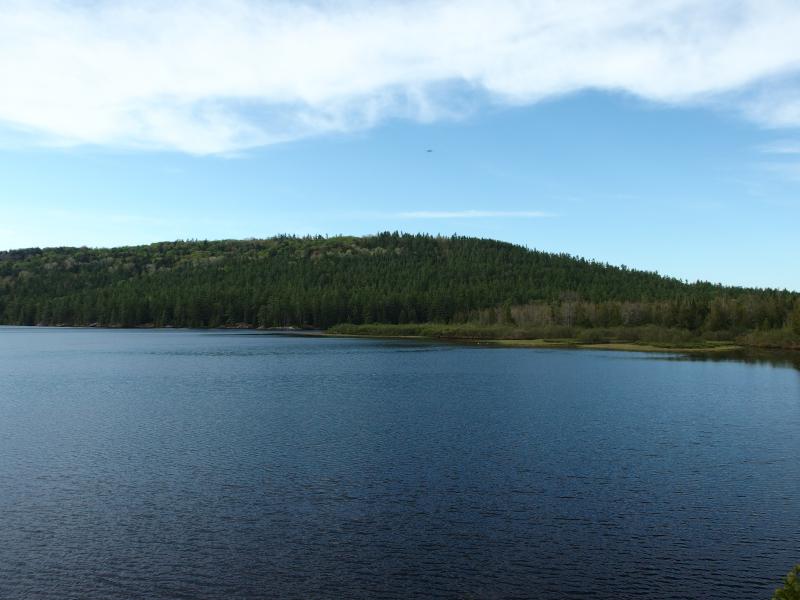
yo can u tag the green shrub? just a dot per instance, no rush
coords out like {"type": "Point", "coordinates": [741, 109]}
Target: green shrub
{"type": "Point", "coordinates": [791, 587]}
{"type": "Point", "coordinates": [771, 338]}
{"type": "Point", "coordinates": [594, 336]}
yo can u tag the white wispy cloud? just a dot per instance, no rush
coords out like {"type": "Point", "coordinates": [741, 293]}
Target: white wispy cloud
{"type": "Point", "coordinates": [788, 170]}
{"type": "Point", "coordinates": [62, 214]}
{"type": "Point", "coordinates": [472, 214]}
{"type": "Point", "coordinates": [217, 76]}
{"type": "Point", "coordinates": [781, 147]}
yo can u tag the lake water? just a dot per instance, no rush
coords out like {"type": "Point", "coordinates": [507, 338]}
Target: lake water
{"type": "Point", "coordinates": [190, 464]}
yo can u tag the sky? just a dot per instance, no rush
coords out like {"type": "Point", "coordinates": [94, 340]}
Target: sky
{"type": "Point", "coordinates": [663, 135]}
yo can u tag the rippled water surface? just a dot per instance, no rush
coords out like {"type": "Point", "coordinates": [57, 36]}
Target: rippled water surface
{"type": "Point", "coordinates": [180, 464]}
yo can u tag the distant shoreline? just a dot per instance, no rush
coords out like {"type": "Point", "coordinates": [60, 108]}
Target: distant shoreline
{"type": "Point", "coordinates": [540, 343]}
{"type": "Point", "coordinates": [555, 344]}
{"type": "Point", "coordinates": [698, 348]}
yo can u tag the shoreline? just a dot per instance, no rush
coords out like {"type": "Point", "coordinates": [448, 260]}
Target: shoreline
{"type": "Point", "coordinates": [555, 344]}
{"type": "Point", "coordinates": [700, 348]}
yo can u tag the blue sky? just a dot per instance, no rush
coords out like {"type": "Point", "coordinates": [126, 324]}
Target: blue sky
{"type": "Point", "coordinates": [692, 174]}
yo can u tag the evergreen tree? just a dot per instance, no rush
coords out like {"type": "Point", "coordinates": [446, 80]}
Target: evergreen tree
{"type": "Point", "coordinates": [386, 278]}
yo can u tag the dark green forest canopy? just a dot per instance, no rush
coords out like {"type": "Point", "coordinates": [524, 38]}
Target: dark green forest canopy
{"type": "Point", "coordinates": [388, 278]}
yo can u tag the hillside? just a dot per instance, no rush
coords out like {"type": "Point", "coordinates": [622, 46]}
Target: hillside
{"type": "Point", "coordinates": [387, 278]}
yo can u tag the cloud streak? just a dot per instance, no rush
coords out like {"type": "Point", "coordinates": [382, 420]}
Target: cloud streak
{"type": "Point", "coordinates": [473, 214]}
{"type": "Point", "coordinates": [781, 147]}
{"type": "Point", "coordinates": [219, 76]}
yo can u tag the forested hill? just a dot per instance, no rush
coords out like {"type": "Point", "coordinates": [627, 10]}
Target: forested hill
{"type": "Point", "coordinates": [386, 278]}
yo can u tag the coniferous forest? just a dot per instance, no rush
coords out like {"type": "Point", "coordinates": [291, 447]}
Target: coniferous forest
{"type": "Point", "coordinates": [479, 287]}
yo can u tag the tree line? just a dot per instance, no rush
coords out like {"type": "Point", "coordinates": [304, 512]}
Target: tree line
{"type": "Point", "coordinates": [395, 278]}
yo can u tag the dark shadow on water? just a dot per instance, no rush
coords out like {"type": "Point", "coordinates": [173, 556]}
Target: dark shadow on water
{"type": "Point", "coordinates": [756, 356]}
{"type": "Point", "coordinates": [774, 358]}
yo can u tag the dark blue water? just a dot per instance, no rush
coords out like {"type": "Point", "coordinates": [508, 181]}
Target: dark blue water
{"type": "Point", "coordinates": [178, 464]}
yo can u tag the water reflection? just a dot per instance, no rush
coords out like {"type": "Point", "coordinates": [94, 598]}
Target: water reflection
{"type": "Point", "coordinates": [757, 356]}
